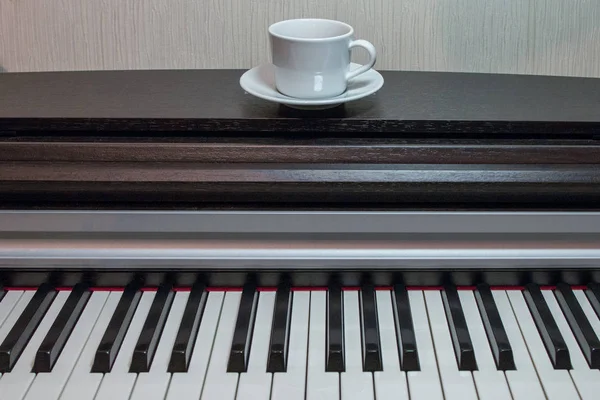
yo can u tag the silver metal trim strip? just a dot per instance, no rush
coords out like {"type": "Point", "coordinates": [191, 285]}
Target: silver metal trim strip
{"type": "Point", "coordinates": [248, 254]}
{"type": "Point", "coordinates": [12, 221]}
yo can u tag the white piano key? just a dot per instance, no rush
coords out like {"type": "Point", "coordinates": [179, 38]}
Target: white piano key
{"type": "Point", "coordinates": [423, 384]}
{"type": "Point", "coordinates": [457, 384]}
{"type": "Point", "coordinates": [83, 384]}
{"type": "Point", "coordinates": [7, 304]}
{"type": "Point", "coordinates": [154, 384]}
{"type": "Point", "coordinates": [524, 382]}
{"type": "Point", "coordinates": [15, 384]}
{"type": "Point", "coordinates": [290, 385]}
{"type": "Point", "coordinates": [188, 385]}
{"type": "Point", "coordinates": [219, 383]}
{"type": "Point", "coordinates": [390, 384]}
{"type": "Point", "coordinates": [320, 385]}
{"type": "Point", "coordinates": [588, 310]}
{"type": "Point", "coordinates": [491, 384]}
{"type": "Point", "coordinates": [50, 385]}
{"type": "Point", "coordinates": [354, 383]}
{"type": "Point", "coordinates": [19, 300]}
{"type": "Point", "coordinates": [557, 383]}
{"type": "Point", "coordinates": [255, 383]}
{"type": "Point", "coordinates": [119, 382]}
{"type": "Point", "coordinates": [587, 380]}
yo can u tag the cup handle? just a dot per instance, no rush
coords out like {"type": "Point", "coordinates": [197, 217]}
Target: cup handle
{"type": "Point", "coordinates": [372, 58]}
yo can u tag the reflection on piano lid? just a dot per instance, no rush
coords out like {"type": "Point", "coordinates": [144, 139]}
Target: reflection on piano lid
{"type": "Point", "coordinates": [439, 239]}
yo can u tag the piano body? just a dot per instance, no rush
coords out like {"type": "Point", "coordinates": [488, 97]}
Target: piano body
{"type": "Point", "coordinates": [163, 235]}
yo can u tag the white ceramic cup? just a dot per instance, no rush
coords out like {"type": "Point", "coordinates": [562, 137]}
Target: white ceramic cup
{"type": "Point", "coordinates": [312, 57]}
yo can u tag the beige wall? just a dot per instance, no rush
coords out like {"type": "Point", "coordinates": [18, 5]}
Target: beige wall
{"type": "Point", "coordinates": [557, 37]}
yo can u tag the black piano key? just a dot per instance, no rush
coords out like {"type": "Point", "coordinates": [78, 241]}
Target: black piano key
{"type": "Point", "coordinates": [188, 329]}
{"type": "Point", "coordinates": [494, 328]}
{"type": "Point", "coordinates": [371, 345]}
{"type": "Point", "coordinates": [280, 329]}
{"type": "Point", "coordinates": [459, 332]}
{"type": "Point", "coordinates": [20, 334]}
{"type": "Point", "coordinates": [593, 294]}
{"type": "Point", "coordinates": [335, 361]}
{"type": "Point", "coordinates": [244, 327]}
{"type": "Point", "coordinates": [581, 327]}
{"type": "Point", "coordinates": [405, 331]}
{"type": "Point", "coordinates": [546, 325]}
{"type": "Point", "coordinates": [61, 329]}
{"type": "Point", "coordinates": [2, 292]}
{"type": "Point", "coordinates": [145, 348]}
{"type": "Point", "coordinates": [117, 328]}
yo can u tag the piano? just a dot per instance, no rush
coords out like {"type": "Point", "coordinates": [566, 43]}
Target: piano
{"type": "Point", "coordinates": [164, 235]}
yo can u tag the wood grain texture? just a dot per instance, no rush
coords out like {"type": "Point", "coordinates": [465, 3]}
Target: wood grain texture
{"type": "Point", "coordinates": [138, 102]}
{"type": "Point", "coordinates": [549, 37]}
{"type": "Point", "coordinates": [158, 185]}
{"type": "Point", "coordinates": [114, 139]}
{"type": "Point", "coordinates": [256, 149]}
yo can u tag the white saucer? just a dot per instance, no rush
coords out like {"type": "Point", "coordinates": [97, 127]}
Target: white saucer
{"type": "Point", "coordinates": [260, 82]}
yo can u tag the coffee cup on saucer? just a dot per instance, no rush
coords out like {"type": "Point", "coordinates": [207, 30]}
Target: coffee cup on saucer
{"type": "Point", "coordinates": [311, 68]}
{"type": "Point", "coordinates": [311, 57]}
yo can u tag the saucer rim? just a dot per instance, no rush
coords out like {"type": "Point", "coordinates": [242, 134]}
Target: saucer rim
{"type": "Point", "coordinates": [340, 99]}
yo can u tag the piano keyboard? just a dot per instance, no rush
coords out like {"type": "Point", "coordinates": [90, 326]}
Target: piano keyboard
{"type": "Point", "coordinates": [289, 343]}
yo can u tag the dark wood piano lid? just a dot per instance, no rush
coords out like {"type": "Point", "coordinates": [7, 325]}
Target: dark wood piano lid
{"type": "Point", "coordinates": [119, 139]}
{"type": "Point", "coordinates": [201, 100]}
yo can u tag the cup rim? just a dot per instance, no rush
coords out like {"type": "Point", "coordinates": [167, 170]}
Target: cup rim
{"type": "Point", "coordinates": [298, 39]}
